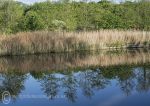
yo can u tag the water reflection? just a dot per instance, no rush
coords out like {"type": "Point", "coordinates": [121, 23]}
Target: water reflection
{"type": "Point", "coordinates": [72, 83]}
{"type": "Point", "coordinates": [67, 61]}
{"type": "Point", "coordinates": [12, 82]}
{"type": "Point", "coordinates": [129, 79]}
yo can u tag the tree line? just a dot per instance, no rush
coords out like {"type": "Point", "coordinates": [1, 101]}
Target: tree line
{"type": "Point", "coordinates": [73, 16]}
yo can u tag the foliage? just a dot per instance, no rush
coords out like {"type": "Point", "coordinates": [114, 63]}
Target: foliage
{"type": "Point", "coordinates": [72, 16]}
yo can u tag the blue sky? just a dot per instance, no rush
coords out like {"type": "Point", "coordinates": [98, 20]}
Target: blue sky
{"type": "Point", "coordinates": [30, 1]}
{"type": "Point", "coordinates": [33, 1]}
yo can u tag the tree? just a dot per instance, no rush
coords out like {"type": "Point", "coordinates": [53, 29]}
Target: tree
{"type": "Point", "coordinates": [33, 21]}
{"type": "Point", "coordinates": [58, 25]}
{"type": "Point", "coordinates": [10, 13]}
{"type": "Point", "coordinates": [71, 15]}
{"type": "Point", "coordinates": [143, 8]}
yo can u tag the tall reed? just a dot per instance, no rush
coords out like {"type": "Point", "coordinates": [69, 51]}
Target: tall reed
{"type": "Point", "coordinates": [45, 41]}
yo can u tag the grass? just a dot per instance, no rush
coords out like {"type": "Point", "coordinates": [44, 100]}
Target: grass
{"type": "Point", "coordinates": [45, 41]}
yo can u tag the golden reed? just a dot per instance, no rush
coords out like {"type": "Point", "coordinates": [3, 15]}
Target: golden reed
{"type": "Point", "coordinates": [45, 41]}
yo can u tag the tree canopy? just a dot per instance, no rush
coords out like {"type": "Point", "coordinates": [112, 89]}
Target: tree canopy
{"type": "Point", "coordinates": [72, 16]}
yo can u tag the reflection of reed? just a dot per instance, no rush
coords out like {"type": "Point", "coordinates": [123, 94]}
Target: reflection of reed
{"type": "Point", "coordinates": [71, 60]}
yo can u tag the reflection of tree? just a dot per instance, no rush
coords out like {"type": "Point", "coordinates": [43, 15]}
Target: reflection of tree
{"type": "Point", "coordinates": [70, 85]}
{"type": "Point", "coordinates": [126, 80]}
{"type": "Point", "coordinates": [143, 79]}
{"type": "Point", "coordinates": [12, 82]}
{"type": "Point", "coordinates": [49, 85]}
{"type": "Point", "coordinates": [90, 80]}
{"type": "Point", "coordinates": [127, 85]}
{"type": "Point", "coordinates": [124, 74]}
{"type": "Point", "coordinates": [37, 75]}
{"type": "Point", "coordinates": [129, 78]}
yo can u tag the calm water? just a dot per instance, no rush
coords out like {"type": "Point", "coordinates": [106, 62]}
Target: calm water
{"type": "Point", "coordinates": [107, 78]}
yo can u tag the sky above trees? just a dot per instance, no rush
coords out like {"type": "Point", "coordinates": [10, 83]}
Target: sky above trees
{"type": "Point", "coordinates": [33, 1]}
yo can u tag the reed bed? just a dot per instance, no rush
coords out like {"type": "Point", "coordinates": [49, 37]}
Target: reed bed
{"type": "Point", "coordinates": [45, 41]}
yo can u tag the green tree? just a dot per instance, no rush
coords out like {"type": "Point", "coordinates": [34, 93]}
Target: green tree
{"type": "Point", "coordinates": [10, 13]}
{"type": "Point", "coordinates": [33, 21]}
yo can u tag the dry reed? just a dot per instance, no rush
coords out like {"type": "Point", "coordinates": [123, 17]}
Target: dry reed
{"type": "Point", "coordinates": [45, 41]}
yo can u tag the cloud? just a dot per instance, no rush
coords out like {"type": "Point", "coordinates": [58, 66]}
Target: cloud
{"type": "Point", "coordinates": [30, 1]}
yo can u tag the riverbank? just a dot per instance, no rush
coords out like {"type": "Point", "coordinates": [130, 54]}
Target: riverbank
{"type": "Point", "coordinates": [46, 42]}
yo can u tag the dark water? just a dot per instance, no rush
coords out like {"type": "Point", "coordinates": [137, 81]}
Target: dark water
{"type": "Point", "coordinates": [109, 78]}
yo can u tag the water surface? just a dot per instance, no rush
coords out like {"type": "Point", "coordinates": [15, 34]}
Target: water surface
{"type": "Point", "coordinates": [105, 78]}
